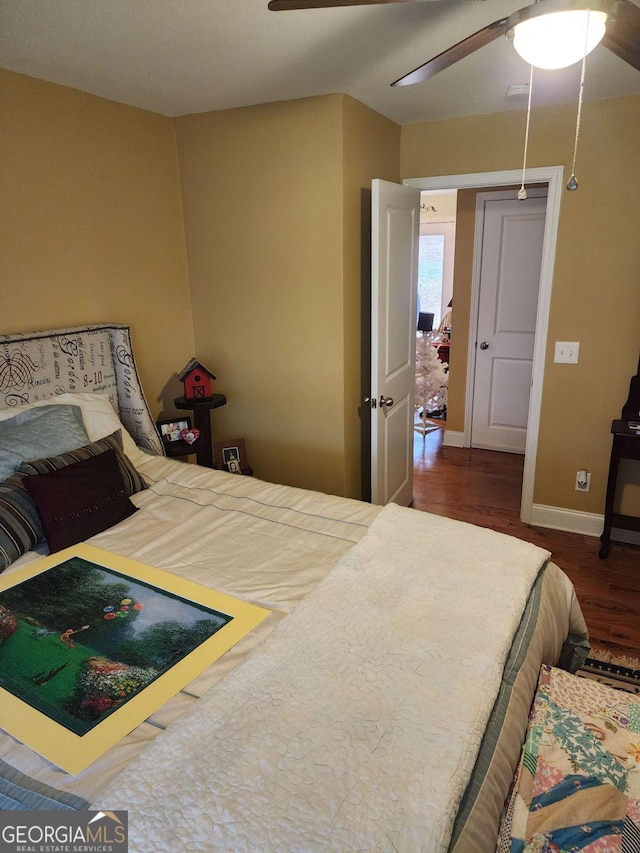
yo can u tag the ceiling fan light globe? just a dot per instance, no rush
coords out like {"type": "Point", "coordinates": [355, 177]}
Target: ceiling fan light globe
{"type": "Point", "coordinates": [558, 39]}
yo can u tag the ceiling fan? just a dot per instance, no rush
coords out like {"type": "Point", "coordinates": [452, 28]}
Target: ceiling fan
{"type": "Point", "coordinates": [614, 22]}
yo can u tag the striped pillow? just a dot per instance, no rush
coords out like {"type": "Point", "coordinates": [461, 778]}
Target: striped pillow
{"type": "Point", "coordinates": [20, 526]}
{"type": "Point", "coordinates": [132, 480]}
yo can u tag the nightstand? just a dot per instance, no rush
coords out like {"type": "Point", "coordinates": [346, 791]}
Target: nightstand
{"type": "Point", "coordinates": [201, 408]}
{"type": "Point", "coordinates": [626, 445]}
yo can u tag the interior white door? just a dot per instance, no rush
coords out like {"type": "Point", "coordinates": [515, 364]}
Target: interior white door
{"type": "Point", "coordinates": [395, 223]}
{"type": "Point", "coordinates": [511, 260]}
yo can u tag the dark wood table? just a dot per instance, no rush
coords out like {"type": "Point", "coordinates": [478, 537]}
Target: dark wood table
{"type": "Point", "coordinates": [626, 445]}
{"type": "Point", "coordinates": [201, 408]}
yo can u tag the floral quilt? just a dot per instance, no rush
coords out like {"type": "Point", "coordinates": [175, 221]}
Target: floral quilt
{"type": "Point", "coordinates": [578, 784]}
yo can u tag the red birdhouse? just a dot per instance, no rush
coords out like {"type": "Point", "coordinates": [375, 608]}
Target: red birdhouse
{"type": "Point", "coordinates": [197, 380]}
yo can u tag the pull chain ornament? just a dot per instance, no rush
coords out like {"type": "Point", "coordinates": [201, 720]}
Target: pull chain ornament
{"type": "Point", "coordinates": [522, 193]}
{"type": "Point", "coordinates": [572, 183]}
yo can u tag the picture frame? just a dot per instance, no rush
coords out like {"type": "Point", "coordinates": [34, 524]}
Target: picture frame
{"type": "Point", "coordinates": [231, 456]}
{"type": "Point", "coordinates": [76, 692]}
{"type": "Point", "coordinates": [171, 430]}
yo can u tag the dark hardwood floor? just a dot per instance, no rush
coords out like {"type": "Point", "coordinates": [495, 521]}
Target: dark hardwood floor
{"type": "Point", "coordinates": [484, 486]}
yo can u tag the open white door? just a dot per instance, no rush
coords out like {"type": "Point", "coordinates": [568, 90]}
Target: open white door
{"type": "Point", "coordinates": [395, 224]}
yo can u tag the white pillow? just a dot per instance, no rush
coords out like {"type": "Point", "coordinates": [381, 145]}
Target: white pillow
{"type": "Point", "coordinates": [99, 417]}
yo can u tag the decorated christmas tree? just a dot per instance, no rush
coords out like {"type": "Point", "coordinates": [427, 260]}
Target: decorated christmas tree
{"type": "Point", "coordinates": [431, 377]}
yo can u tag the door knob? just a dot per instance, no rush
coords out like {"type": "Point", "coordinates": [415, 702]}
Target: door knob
{"type": "Point", "coordinates": [484, 345]}
{"type": "Point", "coordinates": [370, 401]}
{"type": "Point", "coordinates": [386, 401]}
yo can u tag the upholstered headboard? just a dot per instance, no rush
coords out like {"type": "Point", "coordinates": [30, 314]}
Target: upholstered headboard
{"type": "Point", "coordinates": [38, 365]}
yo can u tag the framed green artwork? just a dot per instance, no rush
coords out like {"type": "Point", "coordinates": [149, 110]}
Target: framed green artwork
{"type": "Point", "coordinates": [92, 643]}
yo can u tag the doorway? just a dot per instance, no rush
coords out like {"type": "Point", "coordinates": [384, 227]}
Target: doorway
{"type": "Point", "coordinates": [436, 253]}
{"type": "Point", "coordinates": [553, 177]}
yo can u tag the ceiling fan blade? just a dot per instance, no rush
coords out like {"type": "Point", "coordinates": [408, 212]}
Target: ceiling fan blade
{"type": "Point", "coordinates": [285, 5]}
{"type": "Point", "coordinates": [454, 54]}
{"type": "Point", "coordinates": [623, 37]}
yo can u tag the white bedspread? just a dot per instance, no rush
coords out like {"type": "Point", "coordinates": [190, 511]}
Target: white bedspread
{"type": "Point", "coordinates": [357, 724]}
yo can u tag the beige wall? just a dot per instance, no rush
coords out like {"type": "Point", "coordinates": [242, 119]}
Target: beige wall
{"type": "Point", "coordinates": [93, 232]}
{"type": "Point", "coordinates": [596, 294]}
{"type": "Point", "coordinates": [271, 199]}
{"type": "Point", "coordinates": [444, 203]}
{"type": "Point", "coordinates": [262, 195]}
{"type": "Point", "coordinates": [91, 222]}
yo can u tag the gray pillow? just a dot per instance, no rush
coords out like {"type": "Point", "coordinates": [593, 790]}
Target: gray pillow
{"type": "Point", "coordinates": [41, 431]}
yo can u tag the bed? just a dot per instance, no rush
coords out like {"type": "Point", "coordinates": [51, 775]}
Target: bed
{"type": "Point", "coordinates": [383, 702]}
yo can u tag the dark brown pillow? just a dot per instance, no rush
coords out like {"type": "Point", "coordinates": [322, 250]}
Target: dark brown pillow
{"type": "Point", "coordinates": [132, 480]}
{"type": "Point", "coordinates": [80, 500]}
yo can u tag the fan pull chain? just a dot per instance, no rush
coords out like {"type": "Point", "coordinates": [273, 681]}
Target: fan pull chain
{"type": "Point", "coordinates": [522, 193]}
{"type": "Point", "coordinates": [572, 183]}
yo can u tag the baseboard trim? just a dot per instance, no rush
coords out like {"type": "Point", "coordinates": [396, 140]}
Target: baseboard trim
{"type": "Point", "coordinates": [569, 520]}
{"type": "Point", "coordinates": [452, 438]}
{"type": "Point", "coordinates": [572, 521]}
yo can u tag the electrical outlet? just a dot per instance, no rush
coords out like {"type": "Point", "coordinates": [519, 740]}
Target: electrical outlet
{"type": "Point", "coordinates": [583, 481]}
{"type": "Point", "coordinates": [566, 352]}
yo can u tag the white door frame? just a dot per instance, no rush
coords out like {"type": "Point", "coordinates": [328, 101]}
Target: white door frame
{"type": "Point", "coordinates": [554, 177]}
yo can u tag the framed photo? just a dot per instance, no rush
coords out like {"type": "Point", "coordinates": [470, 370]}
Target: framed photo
{"type": "Point", "coordinates": [231, 455]}
{"type": "Point", "coordinates": [92, 643]}
{"type": "Point", "coordinates": [171, 431]}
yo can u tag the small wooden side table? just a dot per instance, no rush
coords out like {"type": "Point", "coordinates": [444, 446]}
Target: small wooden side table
{"type": "Point", "coordinates": [626, 445]}
{"type": "Point", "coordinates": [201, 409]}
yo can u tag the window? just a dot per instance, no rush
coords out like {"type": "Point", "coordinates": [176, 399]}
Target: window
{"type": "Point", "coordinates": [435, 268]}
{"type": "Point", "coordinates": [431, 274]}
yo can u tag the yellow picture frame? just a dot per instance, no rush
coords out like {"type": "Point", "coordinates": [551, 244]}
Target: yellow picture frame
{"type": "Point", "coordinates": [72, 752]}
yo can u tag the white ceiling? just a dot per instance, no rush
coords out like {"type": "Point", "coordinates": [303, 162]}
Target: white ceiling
{"type": "Point", "coordinates": [177, 57]}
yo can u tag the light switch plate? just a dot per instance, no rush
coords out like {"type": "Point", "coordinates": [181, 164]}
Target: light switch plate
{"type": "Point", "coordinates": [566, 352]}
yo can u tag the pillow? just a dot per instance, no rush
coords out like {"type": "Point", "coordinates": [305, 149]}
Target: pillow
{"type": "Point", "coordinates": [132, 480]}
{"type": "Point", "coordinates": [26, 413]}
{"type": "Point", "coordinates": [20, 527]}
{"type": "Point", "coordinates": [39, 432]}
{"type": "Point", "coordinates": [99, 417]}
{"type": "Point", "coordinates": [80, 500]}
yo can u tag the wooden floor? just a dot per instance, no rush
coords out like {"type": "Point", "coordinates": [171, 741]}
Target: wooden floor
{"type": "Point", "coordinates": [484, 486]}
